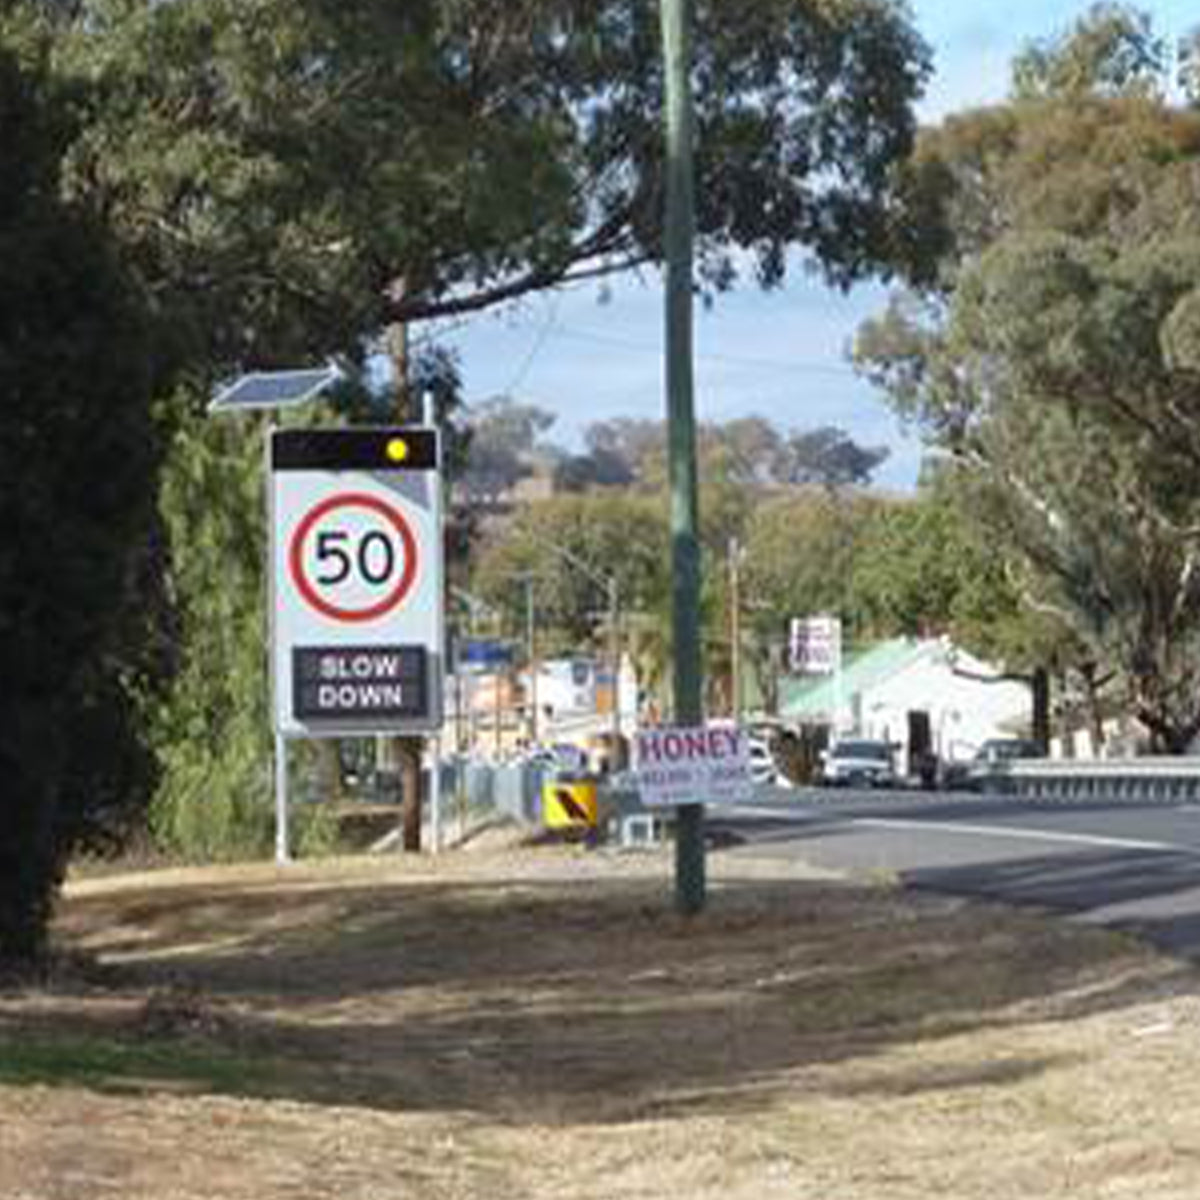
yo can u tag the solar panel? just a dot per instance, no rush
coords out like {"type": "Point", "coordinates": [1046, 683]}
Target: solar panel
{"type": "Point", "coordinates": [274, 389]}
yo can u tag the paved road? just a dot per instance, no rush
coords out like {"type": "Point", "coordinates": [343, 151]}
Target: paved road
{"type": "Point", "coordinates": [1124, 865]}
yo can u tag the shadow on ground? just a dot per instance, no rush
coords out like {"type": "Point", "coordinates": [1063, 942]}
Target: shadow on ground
{"type": "Point", "coordinates": [550, 1001]}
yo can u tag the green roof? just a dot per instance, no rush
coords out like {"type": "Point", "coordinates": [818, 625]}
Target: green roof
{"type": "Point", "coordinates": [811, 696]}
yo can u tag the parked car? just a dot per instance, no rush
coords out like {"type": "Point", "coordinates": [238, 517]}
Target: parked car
{"type": "Point", "coordinates": [763, 767]}
{"type": "Point", "coordinates": [858, 762]}
{"type": "Point", "coordinates": [561, 757]}
{"type": "Point", "coordinates": [989, 766]}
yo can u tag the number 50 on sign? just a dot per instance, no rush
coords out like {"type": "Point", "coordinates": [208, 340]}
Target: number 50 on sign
{"type": "Point", "coordinates": [353, 556]}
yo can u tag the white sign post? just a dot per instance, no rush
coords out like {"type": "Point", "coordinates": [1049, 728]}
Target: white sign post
{"type": "Point", "coordinates": [693, 765]}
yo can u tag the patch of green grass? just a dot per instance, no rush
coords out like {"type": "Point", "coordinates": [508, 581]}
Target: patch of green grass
{"type": "Point", "coordinates": [114, 1065]}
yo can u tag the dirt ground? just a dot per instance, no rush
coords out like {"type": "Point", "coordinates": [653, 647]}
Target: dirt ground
{"type": "Point", "coordinates": [510, 1023]}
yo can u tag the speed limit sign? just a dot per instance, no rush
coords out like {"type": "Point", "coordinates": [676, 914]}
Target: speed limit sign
{"type": "Point", "coordinates": [357, 580]}
{"type": "Point", "coordinates": [353, 557]}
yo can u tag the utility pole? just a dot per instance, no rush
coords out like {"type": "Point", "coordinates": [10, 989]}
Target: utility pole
{"type": "Point", "coordinates": [614, 634]}
{"type": "Point", "coordinates": [735, 631]}
{"type": "Point", "coordinates": [531, 649]}
{"type": "Point", "coordinates": [678, 237]}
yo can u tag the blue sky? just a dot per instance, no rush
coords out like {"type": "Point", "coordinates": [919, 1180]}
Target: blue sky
{"type": "Point", "coordinates": [781, 355]}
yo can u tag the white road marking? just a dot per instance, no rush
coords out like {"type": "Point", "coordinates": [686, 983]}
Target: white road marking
{"type": "Point", "coordinates": [1001, 831]}
{"type": "Point", "coordinates": [774, 814]}
{"type": "Point", "coordinates": [1036, 835]}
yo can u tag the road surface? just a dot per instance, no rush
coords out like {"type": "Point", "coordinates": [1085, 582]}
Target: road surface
{"type": "Point", "coordinates": [1126, 865]}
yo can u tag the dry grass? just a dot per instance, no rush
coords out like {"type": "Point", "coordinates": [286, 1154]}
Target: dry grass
{"type": "Point", "coordinates": [537, 1023]}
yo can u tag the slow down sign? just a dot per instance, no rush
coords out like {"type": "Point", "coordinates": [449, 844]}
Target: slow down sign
{"type": "Point", "coordinates": [356, 551]}
{"type": "Point", "coordinates": [331, 681]}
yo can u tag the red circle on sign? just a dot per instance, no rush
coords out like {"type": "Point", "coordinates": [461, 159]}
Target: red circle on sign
{"type": "Point", "coordinates": [393, 517]}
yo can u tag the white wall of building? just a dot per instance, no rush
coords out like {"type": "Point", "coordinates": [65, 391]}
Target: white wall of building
{"type": "Point", "coordinates": [567, 687]}
{"type": "Point", "coordinates": [966, 703]}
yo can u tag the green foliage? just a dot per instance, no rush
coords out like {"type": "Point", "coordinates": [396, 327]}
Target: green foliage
{"type": "Point", "coordinates": [285, 181]}
{"type": "Point", "coordinates": [579, 472]}
{"type": "Point", "coordinates": [1110, 50]}
{"type": "Point", "coordinates": [296, 175]}
{"type": "Point", "coordinates": [1053, 361]}
{"type": "Point", "coordinates": [212, 733]}
{"type": "Point", "coordinates": [830, 457]}
{"type": "Point", "coordinates": [573, 545]}
{"type": "Point", "coordinates": [926, 570]}
{"type": "Point", "coordinates": [801, 550]}
{"type": "Point", "coordinates": [796, 546]}
{"type": "Point", "coordinates": [748, 452]}
{"type": "Point", "coordinates": [78, 460]}
{"type": "Point", "coordinates": [606, 535]}
{"type": "Point", "coordinates": [212, 729]}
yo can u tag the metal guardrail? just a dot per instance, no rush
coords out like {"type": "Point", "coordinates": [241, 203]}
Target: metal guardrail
{"type": "Point", "coordinates": [1151, 780]}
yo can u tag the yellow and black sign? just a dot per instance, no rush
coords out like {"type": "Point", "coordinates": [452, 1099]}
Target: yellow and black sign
{"type": "Point", "coordinates": [569, 805]}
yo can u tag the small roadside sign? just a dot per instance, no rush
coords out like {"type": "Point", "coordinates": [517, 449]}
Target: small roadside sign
{"type": "Point", "coordinates": [356, 554]}
{"type": "Point", "coordinates": [693, 765]}
{"type": "Point", "coordinates": [815, 645]}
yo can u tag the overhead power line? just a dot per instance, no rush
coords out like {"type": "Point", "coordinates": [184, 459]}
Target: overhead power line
{"type": "Point", "coordinates": [775, 364]}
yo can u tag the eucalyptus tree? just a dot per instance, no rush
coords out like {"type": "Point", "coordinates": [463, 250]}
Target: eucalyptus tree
{"type": "Point", "coordinates": [830, 457]}
{"type": "Point", "coordinates": [503, 444]}
{"type": "Point", "coordinates": [572, 555]}
{"type": "Point", "coordinates": [294, 175]}
{"type": "Point", "coordinates": [1053, 353]}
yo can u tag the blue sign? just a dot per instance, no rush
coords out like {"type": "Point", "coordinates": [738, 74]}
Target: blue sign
{"type": "Point", "coordinates": [485, 652]}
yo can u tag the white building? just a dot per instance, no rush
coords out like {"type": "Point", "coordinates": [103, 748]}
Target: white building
{"type": "Point", "coordinates": [897, 685]}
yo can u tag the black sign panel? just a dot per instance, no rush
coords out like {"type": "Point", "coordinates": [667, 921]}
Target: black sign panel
{"type": "Point", "coordinates": [404, 448]}
{"type": "Point", "coordinates": [345, 683]}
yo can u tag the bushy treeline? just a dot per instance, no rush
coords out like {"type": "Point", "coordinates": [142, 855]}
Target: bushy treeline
{"type": "Point", "coordinates": [79, 460]}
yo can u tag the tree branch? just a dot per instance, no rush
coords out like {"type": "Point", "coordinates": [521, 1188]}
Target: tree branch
{"type": "Point", "coordinates": [417, 308]}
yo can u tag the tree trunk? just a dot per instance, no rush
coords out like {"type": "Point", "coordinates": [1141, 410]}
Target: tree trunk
{"type": "Point", "coordinates": [31, 859]}
{"type": "Point", "coordinates": [1040, 685]}
{"type": "Point", "coordinates": [329, 770]}
{"type": "Point", "coordinates": [409, 753]}
{"type": "Point", "coordinates": [1167, 707]}
{"type": "Point", "coordinates": [1167, 736]}
{"type": "Point", "coordinates": [1095, 718]}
